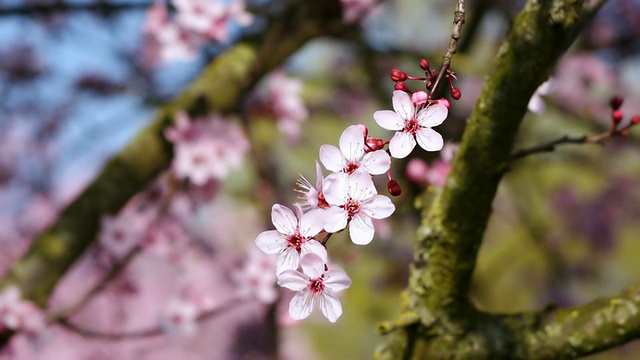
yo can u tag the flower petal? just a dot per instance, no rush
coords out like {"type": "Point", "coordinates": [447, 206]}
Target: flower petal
{"type": "Point", "coordinates": [314, 247]}
{"type": "Point", "coordinates": [352, 143]}
{"type": "Point", "coordinates": [330, 305]}
{"type": "Point", "coordinates": [361, 230]}
{"type": "Point", "coordinates": [429, 139]}
{"type": "Point", "coordinates": [335, 219]}
{"type": "Point", "coordinates": [337, 279]}
{"type": "Point", "coordinates": [331, 158]}
{"type": "Point", "coordinates": [388, 120]}
{"type": "Point", "coordinates": [312, 223]}
{"type": "Point", "coordinates": [432, 116]}
{"type": "Point", "coordinates": [293, 280]}
{"type": "Point", "coordinates": [361, 187]}
{"type": "Point", "coordinates": [312, 265]}
{"type": "Point", "coordinates": [403, 105]}
{"type": "Point", "coordinates": [379, 208]}
{"type": "Point", "coordinates": [302, 304]}
{"type": "Point", "coordinates": [283, 219]}
{"type": "Point", "coordinates": [335, 189]}
{"type": "Point", "coordinates": [271, 241]}
{"type": "Point", "coordinates": [376, 162]}
{"type": "Point", "coordinates": [288, 260]}
{"type": "Point", "coordinates": [401, 145]}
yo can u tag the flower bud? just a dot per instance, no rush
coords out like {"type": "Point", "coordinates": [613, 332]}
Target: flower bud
{"type": "Point", "coordinates": [455, 93]}
{"type": "Point", "coordinates": [424, 64]}
{"type": "Point", "coordinates": [635, 119]}
{"type": "Point", "coordinates": [444, 102]}
{"type": "Point", "coordinates": [400, 85]}
{"type": "Point", "coordinates": [419, 98]}
{"type": "Point", "coordinates": [616, 116]}
{"type": "Point", "coordinates": [394, 188]}
{"type": "Point", "coordinates": [616, 102]}
{"type": "Point", "coordinates": [398, 75]}
{"type": "Point", "coordinates": [373, 144]}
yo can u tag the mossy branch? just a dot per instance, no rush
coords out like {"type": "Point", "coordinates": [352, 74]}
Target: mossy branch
{"type": "Point", "coordinates": [452, 227]}
{"type": "Point", "coordinates": [220, 88]}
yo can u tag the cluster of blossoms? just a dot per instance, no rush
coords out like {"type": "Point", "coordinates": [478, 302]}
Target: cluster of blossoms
{"type": "Point", "coordinates": [283, 99]}
{"type": "Point", "coordinates": [206, 149]}
{"type": "Point", "coordinates": [195, 22]}
{"type": "Point", "coordinates": [17, 314]}
{"type": "Point", "coordinates": [345, 198]}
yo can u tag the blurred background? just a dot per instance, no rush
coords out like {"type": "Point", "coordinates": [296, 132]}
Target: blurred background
{"type": "Point", "coordinates": [79, 78]}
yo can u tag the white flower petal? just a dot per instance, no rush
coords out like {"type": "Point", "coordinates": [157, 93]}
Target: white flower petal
{"type": "Point", "coordinates": [335, 188]}
{"type": "Point", "coordinates": [302, 304]}
{"type": "Point", "coordinates": [312, 265]}
{"type": "Point", "coordinates": [271, 241]}
{"type": "Point", "coordinates": [429, 139]}
{"type": "Point", "coordinates": [403, 105]}
{"type": "Point", "coordinates": [388, 120]}
{"type": "Point", "coordinates": [331, 158]}
{"type": "Point", "coordinates": [361, 187]}
{"type": "Point", "coordinates": [312, 223]}
{"type": "Point", "coordinates": [335, 219]}
{"type": "Point", "coordinates": [330, 305]}
{"type": "Point", "coordinates": [361, 230]}
{"type": "Point", "coordinates": [288, 260]}
{"type": "Point", "coordinates": [401, 145]}
{"type": "Point", "coordinates": [337, 279]}
{"type": "Point", "coordinates": [432, 116]}
{"type": "Point", "coordinates": [293, 280]}
{"type": "Point", "coordinates": [376, 162]}
{"type": "Point", "coordinates": [379, 208]}
{"type": "Point", "coordinates": [314, 247]}
{"type": "Point", "coordinates": [352, 143]}
{"type": "Point", "coordinates": [283, 219]}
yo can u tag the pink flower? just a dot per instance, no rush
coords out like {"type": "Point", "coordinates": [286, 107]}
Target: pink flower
{"type": "Point", "coordinates": [354, 200]}
{"type": "Point", "coordinates": [411, 127]}
{"type": "Point", "coordinates": [180, 316]}
{"type": "Point", "coordinates": [312, 195]}
{"type": "Point", "coordinates": [121, 234]}
{"type": "Point", "coordinates": [206, 149]}
{"type": "Point", "coordinates": [176, 44]}
{"type": "Point", "coordinates": [536, 103]}
{"type": "Point", "coordinates": [258, 277]}
{"type": "Point", "coordinates": [157, 18]}
{"type": "Point", "coordinates": [18, 314]}
{"type": "Point", "coordinates": [211, 18]}
{"type": "Point", "coordinates": [292, 239]}
{"type": "Point", "coordinates": [352, 156]}
{"type": "Point", "coordinates": [288, 107]}
{"type": "Point", "coordinates": [316, 286]}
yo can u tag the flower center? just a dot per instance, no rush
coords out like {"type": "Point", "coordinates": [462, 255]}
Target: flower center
{"type": "Point", "coordinates": [322, 203]}
{"type": "Point", "coordinates": [352, 207]}
{"type": "Point", "coordinates": [411, 126]}
{"type": "Point", "coordinates": [351, 167]}
{"type": "Point", "coordinates": [295, 241]}
{"type": "Point", "coordinates": [316, 285]}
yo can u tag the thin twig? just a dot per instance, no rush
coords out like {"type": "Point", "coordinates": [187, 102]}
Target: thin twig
{"type": "Point", "coordinates": [148, 332]}
{"type": "Point", "coordinates": [458, 21]}
{"type": "Point", "coordinates": [551, 145]}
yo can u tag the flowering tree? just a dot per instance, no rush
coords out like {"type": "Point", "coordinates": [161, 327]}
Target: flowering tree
{"type": "Point", "coordinates": [161, 227]}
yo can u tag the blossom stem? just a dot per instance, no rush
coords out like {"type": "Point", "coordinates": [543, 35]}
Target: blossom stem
{"type": "Point", "coordinates": [458, 21]}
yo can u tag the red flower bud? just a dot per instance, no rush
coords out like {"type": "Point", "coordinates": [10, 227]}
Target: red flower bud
{"type": "Point", "coordinates": [400, 85]}
{"type": "Point", "coordinates": [635, 119]}
{"type": "Point", "coordinates": [424, 64]}
{"type": "Point", "coordinates": [394, 188]}
{"type": "Point", "coordinates": [616, 102]}
{"type": "Point", "coordinates": [455, 93]}
{"type": "Point", "coordinates": [398, 75]}
{"type": "Point", "coordinates": [373, 144]}
{"type": "Point", "coordinates": [616, 116]}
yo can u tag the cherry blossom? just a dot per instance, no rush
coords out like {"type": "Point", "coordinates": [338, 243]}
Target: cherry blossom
{"type": "Point", "coordinates": [411, 127]}
{"type": "Point", "coordinates": [352, 156]}
{"type": "Point", "coordinates": [536, 103]}
{"type": "Point", "coordinates": [121, 234]}
{"type": "Point", "coordinates": [180, 316]}
{"type": "Point", "coordinates": [292, 238]}
{"type": "Point", "coordinates": [18, 314]}
{"type": "Point", "coordinates": [317, 286]}
{"type": "Point", "coordinates": [312, 195]}
{"type": "Point", "coordinates": [206, 149]}
{"type": "Point", "coordinates": [354, 200]}
{"type": "Point", "coordinates": [258, 277]}
{"type": "Point", "coordinates": [288, 107]}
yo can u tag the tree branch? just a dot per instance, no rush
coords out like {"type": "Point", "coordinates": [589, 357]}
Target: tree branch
{"type": "Point", "coordinates": [458, 21]}
{"type": "Point", "coordinates": [452, 228]}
